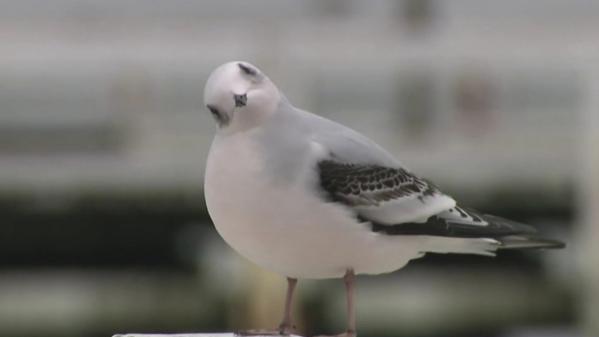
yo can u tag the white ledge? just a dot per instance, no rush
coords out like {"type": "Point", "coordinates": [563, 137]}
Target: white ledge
{"type": "Point", "coordinates": [214, 334]}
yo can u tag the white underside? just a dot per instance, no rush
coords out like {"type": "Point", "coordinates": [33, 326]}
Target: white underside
{"type": "Point", "coordinates": [286, 228]}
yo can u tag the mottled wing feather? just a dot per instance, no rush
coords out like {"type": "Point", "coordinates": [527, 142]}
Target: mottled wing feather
{"type": "Point", "coordinates": [370, 185]}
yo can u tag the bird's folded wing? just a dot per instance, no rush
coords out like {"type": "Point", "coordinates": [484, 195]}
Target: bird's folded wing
{"type": "Point", "coordinates": [359, 174]}
{"type": "Point", "coordinates": [397, 202]}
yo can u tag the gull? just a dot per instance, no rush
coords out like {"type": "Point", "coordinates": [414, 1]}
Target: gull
{"type": "Point", "coordinates": [309, 198]}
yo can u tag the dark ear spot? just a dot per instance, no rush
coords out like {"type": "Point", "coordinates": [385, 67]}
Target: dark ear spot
{"type": "Point", "coordinates": [247, 69]}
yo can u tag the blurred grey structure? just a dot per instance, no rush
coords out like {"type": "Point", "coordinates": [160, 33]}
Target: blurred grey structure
{"type": "Point", "coordinates": [103, 138]}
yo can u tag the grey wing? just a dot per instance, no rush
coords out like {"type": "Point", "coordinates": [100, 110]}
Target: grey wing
{"type": "Point", "coordinates": [362, 175]}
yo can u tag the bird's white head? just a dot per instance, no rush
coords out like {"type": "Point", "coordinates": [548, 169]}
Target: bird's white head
{"type": "Point", "coordinates": [240, 96]}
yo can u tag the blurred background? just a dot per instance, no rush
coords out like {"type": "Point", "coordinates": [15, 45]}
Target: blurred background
{"type": "Point", "coordinates": [104, 136]}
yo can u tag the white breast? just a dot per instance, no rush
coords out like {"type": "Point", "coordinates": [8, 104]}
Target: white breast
{"type": "Point", "coordinates": [284, 226]}
{"type": "Point", "coordinates": [279, 225]}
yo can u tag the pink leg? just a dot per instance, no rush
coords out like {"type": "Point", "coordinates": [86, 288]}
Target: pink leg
{"type": "Point", "coordinates": [285, 326]}
{"type": "Point", "coordinates": [348, 278]}
{"type": "Point", "coordinates": [351, 312]}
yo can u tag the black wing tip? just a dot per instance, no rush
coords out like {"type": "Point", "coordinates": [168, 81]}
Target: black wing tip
{"type": "Point", "coordinates": [510, 234]}
{"type": "Point", "coordinates": [523, 242]}
{"type": "Point", "coordinates": [508, 227]}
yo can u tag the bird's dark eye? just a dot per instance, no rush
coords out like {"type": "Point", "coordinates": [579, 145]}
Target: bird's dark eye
{"type": "Point", "coordinates": [247, 69]}
{"type": "Point", "coordinates": [240, 100]}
